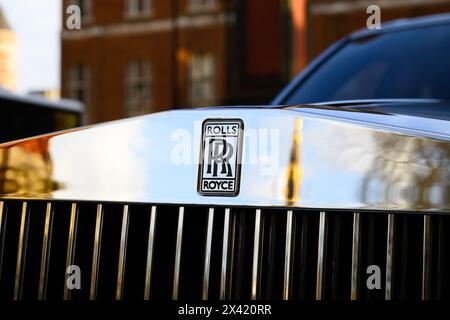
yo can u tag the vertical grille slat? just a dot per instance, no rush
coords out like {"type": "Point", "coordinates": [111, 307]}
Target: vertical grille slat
{"type": "Point", "coordinates": [71, 247]}
{"type": "Point", "coordinates": [21, 252]}
{"type": "Point", "coordinates": [288, 259]}
{"type": "Point", "coordinates": [45, 257]}
{"type": "Point", "coordinates": [321, 255]}
{"type": "Point", "coordinates": [96, 252]}
{"type": "Point", "coordinates": [356, 247]}
{"type": "Point", "coordinates": [257, 248]}
{"type": "Point", "coordinates": [122, 253]}
{"type": "Point", "coordinates": [233, 247]}
{"type": "Point", "coordinates": [2, 204]}
{"type": "Point", "coordinates": [176, 271]}
{"type": "Point", "coordinates": [426, 257]}
{"type": "Point", "coordinates": [150, 249]}
{"type": "Point", "coordinates": [207, 264]}
{"type": "Point", "coordinates": [390, 256]}
{"type": "Point", "coordinates": [2, 234]}
{"type": "Point", "coordinates": [225, 257]}
{"type": "Point", "coordinates": [12, 217]}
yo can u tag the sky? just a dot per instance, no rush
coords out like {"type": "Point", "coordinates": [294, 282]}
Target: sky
{"type": "Point", "coordinates": [37, 24]}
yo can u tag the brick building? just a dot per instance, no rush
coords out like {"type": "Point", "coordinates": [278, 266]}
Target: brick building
{"type": "Point", "coordinates": [134, 57]}
{"type": "Point", "coordinates": [8, 52]}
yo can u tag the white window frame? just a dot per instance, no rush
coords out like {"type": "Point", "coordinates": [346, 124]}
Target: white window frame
{"type": "Point", "coordinates": [202, 80]}
{"type": "Point", "coordinates": [132, 10]}
{"type": "Point", "coordinates": [201, 5]}
{"type": "Point", "coordinates": [138, 77]}
{"type": "Point", "coordinates": [77, 82]}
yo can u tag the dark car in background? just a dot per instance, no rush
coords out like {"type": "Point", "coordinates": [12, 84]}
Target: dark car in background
{"type": "Point", "coordinates": [400, 61]}
{"type": "Point", "coordinates": [353, 182]}
{"type": "Point", "coordinates": [26, 116]}
{"type": "Point", "coordinates": [403, 60]}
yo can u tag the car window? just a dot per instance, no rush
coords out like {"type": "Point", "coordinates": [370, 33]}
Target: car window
{"type": "Point", "coordinates": [405, 64]}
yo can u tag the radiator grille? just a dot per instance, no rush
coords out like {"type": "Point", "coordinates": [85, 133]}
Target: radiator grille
{"type": "Point", "coordinates": [137, 251]}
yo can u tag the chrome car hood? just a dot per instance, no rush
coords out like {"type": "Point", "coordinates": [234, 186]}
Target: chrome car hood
{"type": "Point", "coordinates": [300, 156]}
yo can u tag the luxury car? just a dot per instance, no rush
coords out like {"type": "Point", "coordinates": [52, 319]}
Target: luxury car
{"type": "Point", "coordinates": [338, 190]}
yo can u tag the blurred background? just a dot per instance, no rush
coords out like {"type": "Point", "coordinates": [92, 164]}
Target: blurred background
{"type": "Point", "coordinates": [134, 57]}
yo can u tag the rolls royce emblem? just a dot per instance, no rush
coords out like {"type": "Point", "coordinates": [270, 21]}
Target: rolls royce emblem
{"type": "Point", "coordinates": [220, 157]}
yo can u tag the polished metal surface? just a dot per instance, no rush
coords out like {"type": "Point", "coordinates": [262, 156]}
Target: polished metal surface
{"type": "Point", "coordinates": [122, 253]}
{"type": "Point", "coordinates": [385, 162]}
{"type": "Point", "coordinates": [176, 271]}
{"type": "Point", "coordinates": [257, 252]}
{"type": "Point", "coordinates": [288, 255]}
{"type": "Point", "coordinates": [207, 264]}
{"type": "Point", "coordinates": [21, 252]}
{"type": "Point", "coordinates": [321, 255]}
{"type": "Point", "coordinates": [71, 242]}
{"type": "Point", "coordinates": [150, 246]}
{"type": "Point", "coordinates": [96, 253]}
{"type": "Point", "coordinates": [2, 204]}
{"type": "Point", "coordinates": [390, 257]}
{"type": "Point", "coordinates": [2, 232]}
{"type": "Point", "coordinates": [225, 260]}
{"type": "Point", "coordinates": [2, 236]}
{"type": "Point", "coordinates": [45, 256]}
{"type": "Point", "coordinates": [379, 102]}
{"type": "Point", "coordinates": [356, 248]}
{"type": "Point", "coordinates": [426, 257]}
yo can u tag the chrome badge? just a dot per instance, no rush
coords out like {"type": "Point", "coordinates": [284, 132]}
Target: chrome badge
{"type": "Point", "coordinates": [220, 157]}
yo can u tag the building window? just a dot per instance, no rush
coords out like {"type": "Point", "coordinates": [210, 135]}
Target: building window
{"type": "Point", "coordinates": [78, 85]}
{"type": "Point", "coordinates": [138, 8]}
{"type": "Point", "coordinates": [201, 5]}
{"type": "Point", "coordinates": [138, 88]}
{"type": "Point", "coordinates": [201, 84]}
{"type": "Point", "coordinates": [85, 8]}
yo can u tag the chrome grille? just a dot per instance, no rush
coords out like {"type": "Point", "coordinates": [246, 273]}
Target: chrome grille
{"type": "Point", "coordinates": [138, 251]}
